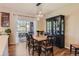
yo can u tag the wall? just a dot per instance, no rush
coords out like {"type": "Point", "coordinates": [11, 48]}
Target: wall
{"type": "Point", "coordinates": [71, 14]}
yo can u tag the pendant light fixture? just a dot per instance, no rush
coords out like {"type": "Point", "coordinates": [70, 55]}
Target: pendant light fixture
{"type": "Point", "coordinates": [39, 11]}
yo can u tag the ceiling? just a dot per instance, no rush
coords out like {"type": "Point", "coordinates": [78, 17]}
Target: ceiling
{"type": "Point", "coordinates": [31, 8]}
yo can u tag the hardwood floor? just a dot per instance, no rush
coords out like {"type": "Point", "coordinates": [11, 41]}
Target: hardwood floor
{"type": "Point", "coordinates": [20, 50]}
{"type": "Point", "coordinates": [12, 50]}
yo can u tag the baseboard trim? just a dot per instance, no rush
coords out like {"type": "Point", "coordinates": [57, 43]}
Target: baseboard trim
{"type": "Point", "coordinates": [67, 47]}
{"type": "Point", "coordinates": [11, 44]}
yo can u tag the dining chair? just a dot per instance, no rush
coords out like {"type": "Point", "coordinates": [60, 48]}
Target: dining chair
{"type": "Point", "coordinates": [47, 46]}
{"type": "Point", "coordinates": [33, 45]}
{"type": "Point", "coordinates": [75, 47]}
{"type": "Point", "coordinates": [52, 39]}
{"type": "Point", "coordinates": [27, 40]}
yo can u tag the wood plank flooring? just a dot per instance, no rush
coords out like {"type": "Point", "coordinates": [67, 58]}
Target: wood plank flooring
{"type": "Point", "coordinates": [20, 50]}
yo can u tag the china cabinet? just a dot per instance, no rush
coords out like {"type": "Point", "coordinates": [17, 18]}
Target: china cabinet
{"type": "Point", "coordinates": [56, 26]}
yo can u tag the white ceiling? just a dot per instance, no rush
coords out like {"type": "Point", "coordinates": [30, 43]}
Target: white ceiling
{"type": "Point", "coordinates": [31, 8]}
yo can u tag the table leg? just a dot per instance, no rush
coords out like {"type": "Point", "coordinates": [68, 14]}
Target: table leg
{"type": "Point", "coordinates": [52, 52]}
{"type": "Point", "coordinates": [70, 49]}
{"type": "Point", "coordinates": [39, 49]}
{"type": "Point", "coordinates": [33, 51]}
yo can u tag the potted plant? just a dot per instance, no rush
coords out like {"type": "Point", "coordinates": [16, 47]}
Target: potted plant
{"type": "Point", "coordinates": [8, 31]}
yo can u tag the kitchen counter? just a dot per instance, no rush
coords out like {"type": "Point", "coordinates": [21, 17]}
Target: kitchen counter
{"type": "Point", "coordinates": [4, 45]}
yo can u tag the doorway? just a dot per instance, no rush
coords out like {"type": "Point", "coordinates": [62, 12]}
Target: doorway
{"type": "Point", "coordinates": [23, 27]}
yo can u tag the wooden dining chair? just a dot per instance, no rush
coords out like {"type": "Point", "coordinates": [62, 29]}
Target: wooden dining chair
{"type": "Point", "coordinates": [47, 46]}
{"type": "Point", "coordinates": [76, 48]}
{"type": "Point", "coordinates": [28, 42]}
{"type": "Point", "coordinates": [32, 45]}
{"type": "Point", "coordinates": [52, 39]}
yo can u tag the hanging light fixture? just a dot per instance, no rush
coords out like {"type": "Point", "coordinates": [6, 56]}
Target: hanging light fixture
{"type": "Point", "coordinates": [39, 11]}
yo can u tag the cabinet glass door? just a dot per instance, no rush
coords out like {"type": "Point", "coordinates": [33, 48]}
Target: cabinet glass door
{"type": "Point", "coordinates": [49, 27]}
{"type": "Point", "coordinates": [58, 26]}
{"type": "Point", "coordinates": [54, 28]}
{"type": "Point", "coordinates": [62, 27]}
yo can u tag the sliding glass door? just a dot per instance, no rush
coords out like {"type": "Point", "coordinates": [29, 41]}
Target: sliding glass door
{"type": "Point", "coordinates": [23, 27]}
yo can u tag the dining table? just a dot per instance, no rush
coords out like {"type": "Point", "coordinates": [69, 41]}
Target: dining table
{"type": "Point", "coordinates": [39, 39]}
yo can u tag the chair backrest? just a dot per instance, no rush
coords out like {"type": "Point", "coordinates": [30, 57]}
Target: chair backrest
{"type": "Point", "coordinates": [50, 39]}
{"type": "Point", "coordinates": [31, 38]}
{"type": "Point", "coordinates": [27, 37]}
{"type": "Point", "coordinates": [30, 33]}
{"type": "Point", "coordinates": [46, 43]}
{"type": "Point", "coordinates": [21, 35]}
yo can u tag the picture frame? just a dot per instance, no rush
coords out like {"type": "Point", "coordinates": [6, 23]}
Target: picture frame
{"type": "Point", "coordinates": [5, 19]}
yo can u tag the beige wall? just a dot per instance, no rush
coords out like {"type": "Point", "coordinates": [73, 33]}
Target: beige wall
{"type": "Point", "coordinates": [71, 14]}
{"type": "Point", "coordinates": [12, 37]}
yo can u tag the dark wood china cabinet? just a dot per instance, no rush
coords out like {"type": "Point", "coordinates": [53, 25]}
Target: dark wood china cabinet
{"type": "Point", "coordinates": [56, 26]}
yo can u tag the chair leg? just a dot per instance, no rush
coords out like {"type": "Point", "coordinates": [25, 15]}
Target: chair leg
{"type": "Point", "coordinates": [45, 53]}
{"type": "Point", "coordinates": [52, 52]}
{"type": "Point", "coordinates": [75, 52]}
{"type": "Point", "coordinates": [33, 51]}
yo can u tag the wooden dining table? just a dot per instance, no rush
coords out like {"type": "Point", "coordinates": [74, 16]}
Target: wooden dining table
{"type": "Point", "coordinates": [39, 39]}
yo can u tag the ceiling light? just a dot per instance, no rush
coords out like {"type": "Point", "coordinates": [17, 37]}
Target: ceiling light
{"type": "Point", "coordinates": [39, 11]}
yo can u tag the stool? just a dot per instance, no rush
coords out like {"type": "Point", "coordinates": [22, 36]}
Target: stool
{"type": "Point", "coordinates": [76, 48]}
